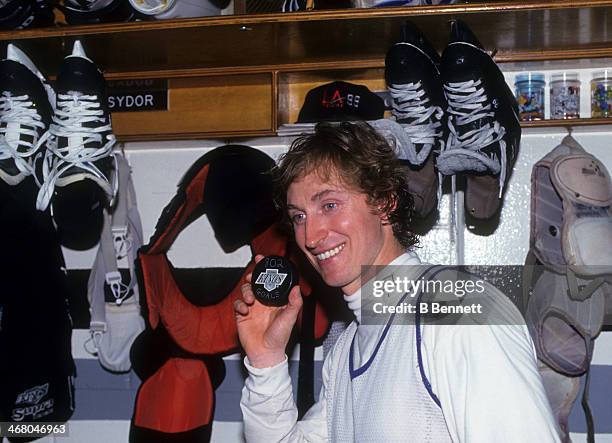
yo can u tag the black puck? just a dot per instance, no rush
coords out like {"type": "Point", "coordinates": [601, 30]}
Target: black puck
{"type": "Point", "coordinates": [273, 278]}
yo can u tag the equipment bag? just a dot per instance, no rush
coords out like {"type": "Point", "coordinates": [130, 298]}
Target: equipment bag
{"type": "Point", "coordinates": [568, 270]}
{"type": "Point", "coordinates": [114, 305]}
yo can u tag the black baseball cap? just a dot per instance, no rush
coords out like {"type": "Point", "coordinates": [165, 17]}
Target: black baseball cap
{"type": "Point", "coordinates": [341, 101]}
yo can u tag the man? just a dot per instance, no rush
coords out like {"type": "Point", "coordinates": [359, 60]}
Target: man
{"type": "Point", "coordinates": [347, 199]}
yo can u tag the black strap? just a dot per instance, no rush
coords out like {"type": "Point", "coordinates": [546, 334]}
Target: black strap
{"type": "Point", "coordinates": [305, 394]}
{"type": "Point", "coordinates": [587, 409]}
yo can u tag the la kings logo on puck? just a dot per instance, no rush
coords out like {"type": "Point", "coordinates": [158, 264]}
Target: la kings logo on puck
{"type": "Point", "coordinates": [273, 278]}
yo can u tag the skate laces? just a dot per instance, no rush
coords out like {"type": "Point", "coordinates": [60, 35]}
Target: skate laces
{"type": "Point", "coordinates": [410, 102]}
{"type": "Point", "coordinates": [19, 112]}
{"type": "Point", "coordinates": [468, 103]}
{"type": "Point", "coordinates": [72, 121]}
{"type": "Point", "coordinates": [290, 6]}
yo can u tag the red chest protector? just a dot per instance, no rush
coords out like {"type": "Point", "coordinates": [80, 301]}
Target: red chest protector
{"type": "Point", "coordinates": [231, 185]}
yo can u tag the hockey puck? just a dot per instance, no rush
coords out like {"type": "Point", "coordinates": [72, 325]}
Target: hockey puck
{"type": "Point", "coordinates": [273, 278]}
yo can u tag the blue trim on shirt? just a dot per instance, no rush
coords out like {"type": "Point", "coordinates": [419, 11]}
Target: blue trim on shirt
{"type": "Point", "coordinates": [354, 373]}
{"type": "Point", "coordinates": [426, 383]}
{"type": "Point", "coordinates": [417, 323]}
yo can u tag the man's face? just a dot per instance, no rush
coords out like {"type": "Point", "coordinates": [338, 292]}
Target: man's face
{"type": "Point", "coordinates": [337, 230]}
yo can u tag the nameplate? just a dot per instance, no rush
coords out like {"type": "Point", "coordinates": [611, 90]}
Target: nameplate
{"type": "Point", "coordinates": [137, 95]}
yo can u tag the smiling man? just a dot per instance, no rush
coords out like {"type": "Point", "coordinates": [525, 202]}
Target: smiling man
{"type": "Point", "coordinates": [336, 228]}
{"type": "Point", "coordinates": [346, 197]}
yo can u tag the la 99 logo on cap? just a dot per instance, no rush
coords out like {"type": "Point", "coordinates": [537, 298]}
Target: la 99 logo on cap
{"type": "Point", "coordinates": [273, 278]}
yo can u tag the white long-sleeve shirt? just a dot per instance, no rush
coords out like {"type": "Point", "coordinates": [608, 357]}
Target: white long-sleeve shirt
{"type": "Point", "coordinates": [484, 377]}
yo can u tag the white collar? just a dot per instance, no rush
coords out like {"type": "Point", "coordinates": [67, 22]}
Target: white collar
{"type": "Point", "coordinates": [354, 300]}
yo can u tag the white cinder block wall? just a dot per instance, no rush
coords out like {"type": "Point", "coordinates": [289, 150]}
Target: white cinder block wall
{"type": "Point", "coordinates": [157, 168]}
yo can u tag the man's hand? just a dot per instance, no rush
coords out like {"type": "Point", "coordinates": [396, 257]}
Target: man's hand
{"type": "Point", "coordinates": [264, 331]}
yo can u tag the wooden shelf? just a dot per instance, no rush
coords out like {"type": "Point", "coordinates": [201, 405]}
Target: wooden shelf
{"type": "Point", "coordinates": [520, 30]}
{"type": "Point", "coordinates": [234, 76]}
{"type": "Point", "coordinates": [568, 123]}
{"type": "Point", "coordinates": [206, 107]}
{"type": "Point", "coordinates": [232, 135]}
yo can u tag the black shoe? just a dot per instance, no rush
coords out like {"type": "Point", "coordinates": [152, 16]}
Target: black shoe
{"type": "Point", "coordinates": [78, 168]}
{"type": "Point", "coordinates": [485, 131]}
{"type": "Point", "coordinates": [413, 77]}
{"type": "Point", "coordinates": [25, 114]}
{"type": "Point", "coordinates": [21, 14]}
{"type": "Point", "coordinates": [84, 12]}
